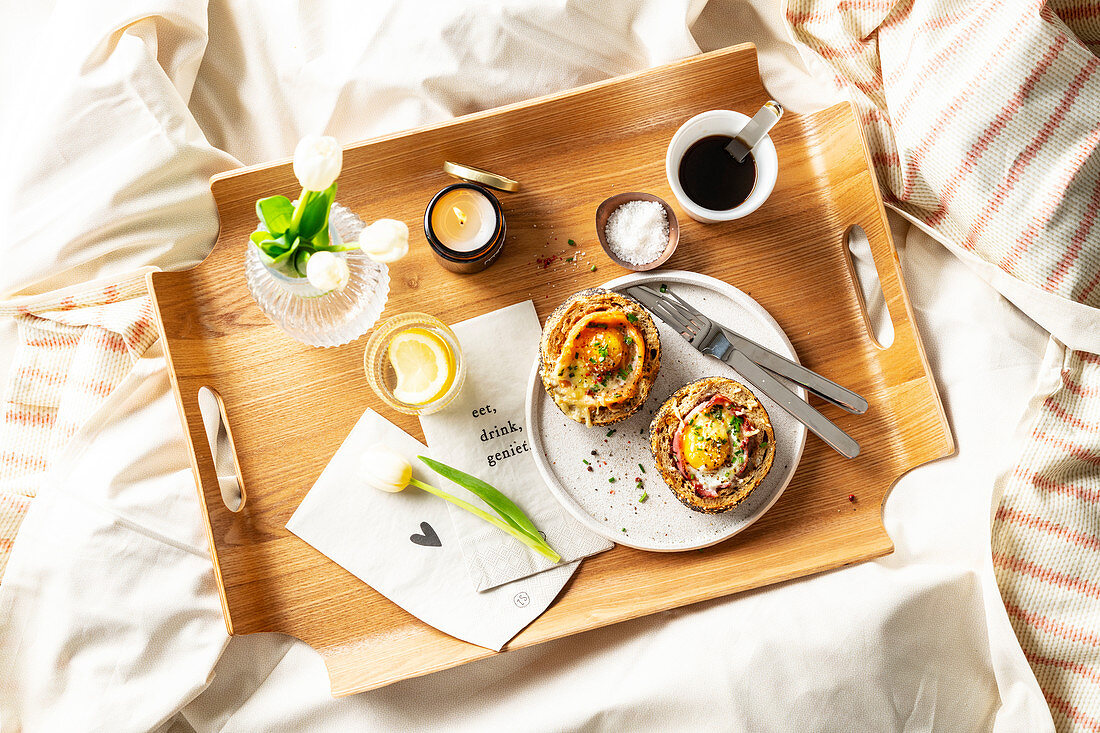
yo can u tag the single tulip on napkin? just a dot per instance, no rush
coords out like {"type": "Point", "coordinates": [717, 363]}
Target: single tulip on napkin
{"type": "Point", "coordinates": [406, 547]}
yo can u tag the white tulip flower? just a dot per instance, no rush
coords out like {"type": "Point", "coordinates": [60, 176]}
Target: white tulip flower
{"type": "Point", "coordinates": [327, 271]}
{"type": "Point", "coordinates": [383, 468]}
{"type": "Point", "coordinates": [385, 241]}
{"type": "Point", "coordinates": [317, 162]}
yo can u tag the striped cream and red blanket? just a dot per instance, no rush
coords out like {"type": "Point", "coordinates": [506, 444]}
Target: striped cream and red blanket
{"type": "Point", "coordinates": [984, 121]}
{"type": "Point", "coordinates": [75, 346]}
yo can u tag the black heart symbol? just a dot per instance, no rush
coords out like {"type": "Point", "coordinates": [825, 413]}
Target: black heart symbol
{"type": "Point", "coordinates": [428, 539]}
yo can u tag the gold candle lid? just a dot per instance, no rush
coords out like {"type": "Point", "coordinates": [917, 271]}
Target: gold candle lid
{"type": "Point", "coordinates": [477, 175]}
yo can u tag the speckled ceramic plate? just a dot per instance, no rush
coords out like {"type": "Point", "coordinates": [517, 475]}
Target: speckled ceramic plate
{"type": "Point", "coordinates": [612, 508]}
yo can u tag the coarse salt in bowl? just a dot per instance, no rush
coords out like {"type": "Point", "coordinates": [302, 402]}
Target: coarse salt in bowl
{"type": "Point", "coordinates": [638, 231]}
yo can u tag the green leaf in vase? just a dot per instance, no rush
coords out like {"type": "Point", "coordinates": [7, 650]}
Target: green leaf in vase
{"type": "Point", "coordinates": [321, 240]}
{"type": "Point", "coordinates": [275, 247]}
{"type": "Point", "coordinates": [315, 215]}
{"type": "Point", "coordinates": [276, 213]}
{"type": "Point", "coordinates": [500, 503]}
{"type": "Point", "coordinates": [277, 253]}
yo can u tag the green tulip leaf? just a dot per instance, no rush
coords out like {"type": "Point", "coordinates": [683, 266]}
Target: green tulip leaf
{"type": "Point", "coordinates": [279, 254]}
{"type": "Point", "coordinates": [276, 213]}
{"type": "Point", "coordinates": [538, 544]}
{"type": "Point", "coordinates": [276, 262]}
{"type": "Point", "coordinates": [315, 215]}
{"type": "Point", "coordinates": [500, 503]}
{"type": "Point", "coordinates": [321, 239]}
{"type": "Point", "coordinates": [273, 247]}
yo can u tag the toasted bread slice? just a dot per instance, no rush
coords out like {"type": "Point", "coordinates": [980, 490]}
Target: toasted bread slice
{"type": "Point", "coordinates": [554, 339]}
{"type": "Point", "coordinates": [669, 418]}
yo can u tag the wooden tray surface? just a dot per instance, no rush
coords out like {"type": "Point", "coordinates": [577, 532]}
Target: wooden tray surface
{"type": "Point", "coordinates": [290, 406]}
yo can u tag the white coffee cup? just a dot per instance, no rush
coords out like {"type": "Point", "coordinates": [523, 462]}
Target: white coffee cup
{"type": "Point", "coordinates": [720, 122]}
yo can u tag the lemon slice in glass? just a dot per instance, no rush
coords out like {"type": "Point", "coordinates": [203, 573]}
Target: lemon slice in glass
{"type": "Point", "coordinates": [424, 365]}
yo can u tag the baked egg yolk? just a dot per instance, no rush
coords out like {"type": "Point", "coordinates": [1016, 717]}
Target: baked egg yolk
{"type": "Point", "coordinates": [706, 443]}
{"type": "Point", "coordinates": [601, 349]}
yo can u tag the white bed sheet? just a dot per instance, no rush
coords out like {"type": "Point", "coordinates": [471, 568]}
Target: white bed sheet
{"type": "Point", "coordinates": [111, 621]}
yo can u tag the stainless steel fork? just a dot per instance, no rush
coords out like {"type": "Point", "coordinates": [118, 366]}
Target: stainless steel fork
{"type": "Point", "coordinates": [708, 338]}
{"type": "Point", "coordinates": [777, 364]}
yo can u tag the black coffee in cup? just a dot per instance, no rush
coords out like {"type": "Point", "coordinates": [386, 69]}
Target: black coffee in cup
{"type": "Point", "coordinates": [713, 178]}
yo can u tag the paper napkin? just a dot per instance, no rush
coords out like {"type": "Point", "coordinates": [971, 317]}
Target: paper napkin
{"type": "Point", "coordinates": [484, 433]}
{"type": "Point", "coordinates": [405, 546]}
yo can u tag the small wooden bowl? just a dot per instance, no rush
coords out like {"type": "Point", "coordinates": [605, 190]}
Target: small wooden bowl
{"type": "Point", "coordinates": [603, 213]}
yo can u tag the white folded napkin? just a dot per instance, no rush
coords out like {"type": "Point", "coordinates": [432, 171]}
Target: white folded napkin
{"type": "Point", "coordinates": [406, 547]}
{"type": "Point", "coordinates": [484, 433]}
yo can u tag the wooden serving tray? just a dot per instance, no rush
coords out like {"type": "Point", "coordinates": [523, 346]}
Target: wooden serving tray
{"type": "Point", "coordinates": [290, 406]}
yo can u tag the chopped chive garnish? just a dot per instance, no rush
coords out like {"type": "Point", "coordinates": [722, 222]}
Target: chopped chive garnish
{"type": "Point", "coordinates": [568, 259]}
{"type": "Point", "coordinates": [572, 243]}
{"type": "Point", "coordinates": [592, 269]}
{"type": "Point", "coordinates": [641, 467]}
{"type": "Point", "coordinates": [664, 288]}
{"type": "Point", "coordinates": [623, 529]}
{"type": "Point", "coordinates": [643, 497]}
{"type": "Point", "coordinates": [631, 317]}
{"type": "Point", "coordinates": [610, 432]}
{"type": "Point", "coordinates": [611, 480]}
{"type": "Point", "coordinates": [584, 461]}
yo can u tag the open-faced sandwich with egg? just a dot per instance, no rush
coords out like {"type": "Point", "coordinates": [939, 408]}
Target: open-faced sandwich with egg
{"type": "Point", "coordinates": [713, 444]}
{"type": "Point", "coordinates": [599, 355]}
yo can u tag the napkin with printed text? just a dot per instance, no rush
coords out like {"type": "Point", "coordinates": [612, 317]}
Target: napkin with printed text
{"type": "Point", "coordinates": [484, 433]}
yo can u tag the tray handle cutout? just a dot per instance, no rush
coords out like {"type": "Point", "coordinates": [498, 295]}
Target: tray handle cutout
{"type": "Point", "coordinates": [872, 300]}
{"type": "Point", "coordinates": [220, 440]}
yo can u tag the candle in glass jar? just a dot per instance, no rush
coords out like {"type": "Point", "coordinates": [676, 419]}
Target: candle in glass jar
{"type": "Point", "coordinates": [463, 219]}
{"type": "Point", "coordinates": [465, 228]}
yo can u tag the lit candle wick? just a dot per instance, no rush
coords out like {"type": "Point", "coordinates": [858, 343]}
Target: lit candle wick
{"type": "Point", "coordinates": [459, 214]}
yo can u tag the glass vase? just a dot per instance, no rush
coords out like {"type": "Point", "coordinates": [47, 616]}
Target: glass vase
{"type": "Point", "coordinates": [314, 317]}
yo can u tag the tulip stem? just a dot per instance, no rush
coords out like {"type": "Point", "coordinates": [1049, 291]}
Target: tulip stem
{"type": "Point", "coordinates": [543, 549]}
{"type": "Point", "coordinates": [299, 210]}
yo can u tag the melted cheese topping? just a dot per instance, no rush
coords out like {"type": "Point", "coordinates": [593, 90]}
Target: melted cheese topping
{"type": "Point", "coordinates": [600, 364]}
